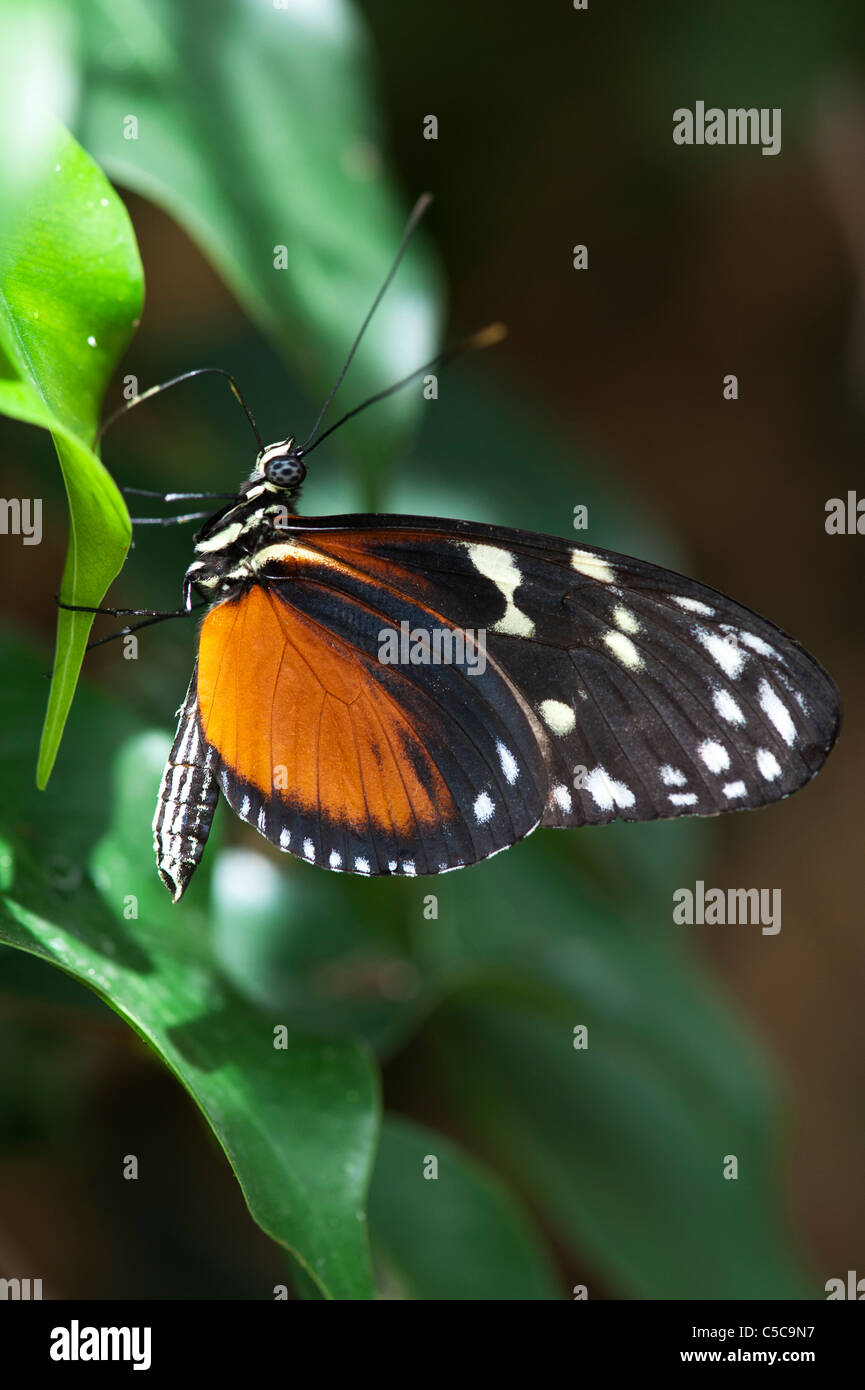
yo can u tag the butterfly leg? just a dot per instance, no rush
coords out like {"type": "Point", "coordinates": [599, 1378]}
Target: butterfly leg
{"type": "Point", "coordinates": [136, 627]}
{"type": "Point", "coordinates": [121, 612]}
{"type": "Point", "coordinates": [168, 520]}
{"type": "Point", "coordinates": [177, 496]}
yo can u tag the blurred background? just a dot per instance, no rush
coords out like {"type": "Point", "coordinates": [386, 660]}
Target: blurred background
{"type": "Point", "coordinates": [554, 129]}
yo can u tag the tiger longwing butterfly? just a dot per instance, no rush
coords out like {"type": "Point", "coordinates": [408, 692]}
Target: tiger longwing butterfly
{"type": "Point", "coordinates": [609, 688]}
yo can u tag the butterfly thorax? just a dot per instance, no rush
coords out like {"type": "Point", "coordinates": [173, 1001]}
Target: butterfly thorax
{"type": "Point", "coordinates": [231, 542]}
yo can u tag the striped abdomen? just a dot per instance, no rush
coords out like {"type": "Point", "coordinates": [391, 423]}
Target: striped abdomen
{"type": "Point", "coordinates": [187, 799]}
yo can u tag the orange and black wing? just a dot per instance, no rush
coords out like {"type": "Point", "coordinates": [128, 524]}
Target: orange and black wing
{"type": "Point", "coordinates": [586, 686]}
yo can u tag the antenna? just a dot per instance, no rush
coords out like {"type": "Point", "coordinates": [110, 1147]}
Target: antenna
{"type": "Point", "coordinates": [486, 337]}
{"type": "Point", "coordinates": [175, 381]}
{"type": "Point", "coordinates": [415, 216]}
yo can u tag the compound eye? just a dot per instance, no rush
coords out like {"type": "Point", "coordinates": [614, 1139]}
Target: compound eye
{"type": "Point", "coordinates": [285, 471]}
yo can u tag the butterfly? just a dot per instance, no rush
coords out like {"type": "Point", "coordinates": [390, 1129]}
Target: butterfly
{"type": "Point", "coordinates": [611, 688]}
{"type": "Point", "coordinates": [406, 695]}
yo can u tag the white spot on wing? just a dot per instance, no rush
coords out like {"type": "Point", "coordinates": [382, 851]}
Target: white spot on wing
{"type": "Point", "coordinates": [714, 755]}
{"type": "Point", "coordinates": [683, 798]}
{"type": "Point", "coordinates": [244, 806]}
{"type": "Point", "coordinates": [622, 795]}
{"type": "Point", "coordinates": [624, 618]}
{"type": "Point", "coordinates": [727, 707]}
{"type": "Point", "coordinates": [562, 798]}
{"type": "Point", "coordinates": [408, 867]}
{"type": "Point", "coordinates": [768, 764]}
{"type": "Point", "coordinates": [557, 716]}
{"type": "Point", "coordinates": [735, 789]}
{"type": "Point", "coordinates": [693, 605]}
{"type": "Point", "coordinates": [607, 793]}
{"type": "Point", "coordinates": [622, 647]}
{"type": "Point", "coordinates": [723, 651]}
{"type": "Point", "coordinates": [776, 711]}
{"type": "Point", "coordinates": [308, 849]}
{"type": "Point", "coordinates": [598, 787]}
{"type": "Point", "coordinates": [335, 860]}
{"type": "Point", "coordinates": [782, 676]}
{"type": "Point", "coordinates": [592, 565]}
{"type": "Point", "coordinates": [672, 776]}
{"type": "Point", "coordinates": [483, 808]}
{"type": "Point", "coordinates": [361, 865]}
{"type": "Point", "coordinates": [499, 566]}
{"type": "Point", "coordinates": [509, 763]}
{"type": "Point", "coordinates": [757, 644]}
{"type": "Point", "coordinates": [284, 838]}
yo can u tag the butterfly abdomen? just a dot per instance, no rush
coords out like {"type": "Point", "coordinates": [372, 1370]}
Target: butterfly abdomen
{"type": "Point", "coordinates": [187, 800]}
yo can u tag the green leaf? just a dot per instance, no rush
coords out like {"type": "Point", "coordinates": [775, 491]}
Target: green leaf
{"type": "Point", "coordinates": [253, 125]}
{"type": "Point", "coordinates": [298, 1123]}
{"type": "Point", "coordinates": [456, 1235]}
{"type": "Point", "coordinates": [622, 1143]}
{"type": "Point", "coordinates": [324, 950]}
{"type": "Point", "coordinates": [70, 295]}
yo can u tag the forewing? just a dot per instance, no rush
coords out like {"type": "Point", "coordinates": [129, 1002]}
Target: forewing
{"type": "Point", "coordinates": [654, 695]}
{"type": "Point", "coordinates": [611, 688]}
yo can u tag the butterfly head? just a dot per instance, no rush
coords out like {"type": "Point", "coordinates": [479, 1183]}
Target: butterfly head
{"type": "Point", "coordinates": [281, 465]}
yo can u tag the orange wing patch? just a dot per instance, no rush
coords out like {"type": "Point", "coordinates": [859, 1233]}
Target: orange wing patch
{"type": "Point", "coordinates": [298, 713]}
